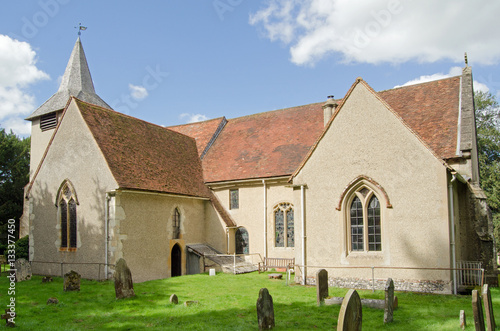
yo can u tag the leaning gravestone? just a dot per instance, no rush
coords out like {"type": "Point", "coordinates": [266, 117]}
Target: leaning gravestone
{"type": "Point", "coordinates": [350, 315]}
{"type": "Point", "coordinates": [174, 299]}
{"type": "Point", "coordinates": [23, 270]}
{"type": "Point", "coordinates": [389, 301]}
{"type": "Point", "coordinates": [321, 286]}
{"type": "Point", "coordinates": [72, 281]}
{"type": "Point", "coordinates": [124, 287]}
{"type": "Point", "coordinates": [265, 310]}
{"type": "Point", "coordinates": [477, 309]}
{"type": "Point", "coordinates": [463, 321]}
{"type": "Point", "coordinates": [488, 307]}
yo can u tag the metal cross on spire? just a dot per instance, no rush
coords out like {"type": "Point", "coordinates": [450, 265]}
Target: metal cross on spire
{"type": "Point", "coordinates": [80, 29]}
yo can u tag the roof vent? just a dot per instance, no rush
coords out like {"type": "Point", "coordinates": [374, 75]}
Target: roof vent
{"type": "Point", "coordinates": [328, 109]}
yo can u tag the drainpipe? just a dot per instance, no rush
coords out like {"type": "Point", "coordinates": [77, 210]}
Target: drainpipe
{"type": "Point", "coordinates": [265, 218]}
{"type": "Point", "coordinates": [106, 221]}
{"type": "Point", "coordinates": [303, 220]}
{"type": "Point", "coordinates": [452, 243]}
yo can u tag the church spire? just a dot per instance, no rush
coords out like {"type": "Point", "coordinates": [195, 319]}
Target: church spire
{"type": "Point", "coordinates": [76, 82]}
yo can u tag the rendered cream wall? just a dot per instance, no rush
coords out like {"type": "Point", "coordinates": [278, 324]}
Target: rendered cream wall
{"type": "Point", "coordinates": [250, 213]}
{"type": "Point", "coordinates": [146, 231]}
{"type": "Point", "coordinates": [367, 139]}
{"type": "Point", "coordinates": [68, 158]}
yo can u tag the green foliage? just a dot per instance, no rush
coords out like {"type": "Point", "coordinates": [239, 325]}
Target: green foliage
{"type": "Point", "coordinates": [226, 302]}
{"type": "Point", "coordinates": [22, 248]}
{"type": "Point", "coordinates": [14, 175]}
{"type": "Point", "coordinates": [488, 141]}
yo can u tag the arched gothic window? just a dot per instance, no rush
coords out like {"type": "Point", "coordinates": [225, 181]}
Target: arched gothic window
{"type": "Point", "coordinates": [67, 216]}
{"type": "Point", "coordinates": [365, 221]}
{"type": "Point", "coordinates": [242, 241]}
{"type": "Point", "coordinates": [176, 224]}
{"type": "Point", "coordinates": [284, 225]}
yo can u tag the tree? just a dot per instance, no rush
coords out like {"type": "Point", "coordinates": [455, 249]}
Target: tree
{"type": "Point", "coordinates": [488, 141]}
{"type": "Point", "coordinates": [14, 175]}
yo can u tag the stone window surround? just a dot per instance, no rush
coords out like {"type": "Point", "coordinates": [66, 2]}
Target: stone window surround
{"type": "Point", "coordinates": [280, 206]}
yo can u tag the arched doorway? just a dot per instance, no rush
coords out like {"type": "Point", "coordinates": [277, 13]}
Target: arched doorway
{"type": "Point", "coordinates": [176, 261]}
{"type": "Point", "coordinates": [242, 245]}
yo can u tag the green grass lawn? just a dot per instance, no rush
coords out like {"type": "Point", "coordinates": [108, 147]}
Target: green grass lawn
{"type": "Point", "coordinates": [226, 302]}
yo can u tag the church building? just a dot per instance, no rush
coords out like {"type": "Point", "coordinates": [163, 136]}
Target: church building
{"type": "Point", "coordinates": [370, 186]}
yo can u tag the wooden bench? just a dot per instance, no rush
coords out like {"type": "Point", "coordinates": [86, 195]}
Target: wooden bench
{"type": "Point", "coordinates": [275, 262]}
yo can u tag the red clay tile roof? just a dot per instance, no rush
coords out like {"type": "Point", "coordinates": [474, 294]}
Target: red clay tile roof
{"type": "Point", "coordinates": [202, 132]}
{"type": "Point", "coordinates": [274, 143]}
{"type": "Point", "coordinates": [145, 156]}
{"type": "Point", "coordinates": [263, 145]}
{"type": "Point", "coordinates": [431, 110]}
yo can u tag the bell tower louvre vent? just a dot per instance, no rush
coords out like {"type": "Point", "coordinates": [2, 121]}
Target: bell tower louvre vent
{"type": "Point", "coordinates": [48, 121]}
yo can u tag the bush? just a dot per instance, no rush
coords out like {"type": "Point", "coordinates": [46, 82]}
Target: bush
{"type": "Point", "coordinates": [23, 248]}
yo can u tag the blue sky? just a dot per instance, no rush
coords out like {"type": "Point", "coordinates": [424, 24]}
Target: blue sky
{"type": "Point", "coordinates": [170, 62]}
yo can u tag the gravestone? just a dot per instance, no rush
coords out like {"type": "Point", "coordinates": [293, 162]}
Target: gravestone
{"type": "Point", "coordinates": [463, 322]}
{"type": "Point", "coordinates": [321, 286]}
{"type": "Point", "coordinates": [124, 287]}
{"type": "Point", "coordinates": [488, 307]}
{"type": "Point", "coordinates": [265, 310]}
{"type": "Point", "coordinates": [23, 270]}
{"type": "Point", "coordinates": [389, 301]}
{"type": "Point", "coordinates": [190, 303]}
{"type": "Point", "coordinates": [9, 318]}
{"type": "Point", "coordinates": [351, 313]}
{"type": "Point", "coordinates": [72, 281]}
{"type": "Point", "coordinates": [174, 299]}
{"type": "Point", "coordinates": [477, 309]}
{"type": "Point", "coordinates": [52, 301]}
{"type": "Point", "coordinates": [47, 279]}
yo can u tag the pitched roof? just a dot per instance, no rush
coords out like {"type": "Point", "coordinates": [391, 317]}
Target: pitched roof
{"type": "Point", "coordinates": [145, 156]}
{"type": "Point", "coordinates": [76, 82]}
{"type": "Point", "coordinates": [275, 143]}
{"type": "Point", "coordinates": [431, 110]}
{"type": "Point", "coordinates": [263, 145]}
{"type": "Point", "coordinates": [203, 132]}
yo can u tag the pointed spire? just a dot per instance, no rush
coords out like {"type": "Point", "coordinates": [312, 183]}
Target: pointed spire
{"type": "Point", "coordinates": [76, 82]}
{"type": "Point", "coordinates": [77, 74]}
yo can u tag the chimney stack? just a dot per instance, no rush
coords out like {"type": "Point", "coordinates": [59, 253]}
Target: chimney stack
{"type": "Point", "coordinates": [328, 109]}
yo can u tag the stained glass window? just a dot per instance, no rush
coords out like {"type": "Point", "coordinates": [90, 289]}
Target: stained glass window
{"type": "Point", "coordinates": [234, 199]}
{"type": "Point", "coordinates": [284, 225]}
{"type": "Point", "coordinates": [279, 221]}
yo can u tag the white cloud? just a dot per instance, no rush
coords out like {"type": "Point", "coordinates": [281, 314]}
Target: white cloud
{"type": "Point", "coordinates": [17, 71]}
{"type": "Point", "coordinates": [383, 31]}
{"type": "Point", "coordinates": [454, 71]}
{"type": "Point", "coordinates": [192, 118]}
{"type": "Point", "coordinates": [137, 92]}
{"type": "Point", "coordinates": [18, 125]}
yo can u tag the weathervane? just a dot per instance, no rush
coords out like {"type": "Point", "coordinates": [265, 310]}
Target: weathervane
{"type": "Point", "coordinates": [80, 29]}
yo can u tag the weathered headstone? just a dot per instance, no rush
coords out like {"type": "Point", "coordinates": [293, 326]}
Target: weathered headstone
{"type": "Point", "coordinates": [9, 318]}
{"type": "Point", "coordinates": [389, 301]}
{"type": "Point", "coordinates": [488, 307]}
{"type": "Point", "coordinates": [463, 322]}
{"type": "Point", "coordinates": [23, 270]}
{"type": "Point", "coordinates": [174, 299]}
{"type": "Point", "coordinates": [47, 279]}
{"type": "Point", "coordinates": [72, 281]}
{"type": "Point", "coordinates": [190, 303]}
{"type": "Point", "coordinates": [52, 301]}
{"type": "Point", "coordinates": [477, 309]}
{"type": "Point", "coordinates": [124, 287]}
{"type": "Point", "coordinates": [321, 286]}
{"type": "Point", "coordinates": [351, 312]}
{"type": "Point", "coordinates": [265, 310]}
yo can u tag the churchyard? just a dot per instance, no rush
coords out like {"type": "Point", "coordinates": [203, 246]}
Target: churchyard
{"type": "Point", "coordinates": [220, 302]}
